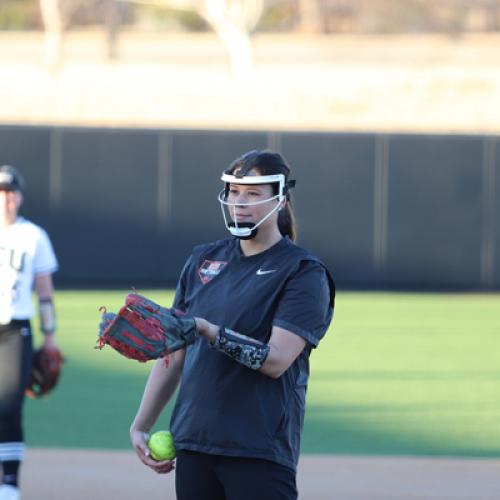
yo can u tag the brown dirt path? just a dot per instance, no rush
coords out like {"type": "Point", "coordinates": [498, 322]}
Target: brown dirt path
{"type": "Point", "coordinates": [51, 474]}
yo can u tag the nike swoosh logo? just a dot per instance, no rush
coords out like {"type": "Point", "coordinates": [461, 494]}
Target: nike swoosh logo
{"type": "Point", "coordinates": [260, 272]}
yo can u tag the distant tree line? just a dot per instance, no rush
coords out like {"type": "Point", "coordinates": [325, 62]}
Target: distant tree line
{"type": "Point", "coordinates": [311, 16]}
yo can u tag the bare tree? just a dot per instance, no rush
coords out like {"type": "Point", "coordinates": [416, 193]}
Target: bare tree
{"type": "Point", "coordinates": [232, 21]}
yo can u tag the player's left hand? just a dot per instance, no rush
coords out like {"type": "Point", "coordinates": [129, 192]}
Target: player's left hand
{"type": "Point", "coordinates": [49, 343]}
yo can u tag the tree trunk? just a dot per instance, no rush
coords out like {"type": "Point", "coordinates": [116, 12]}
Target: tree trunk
{"type": "Point", "coordinates": [112, 20]}
{"type": "Point", "coordinates": [53, 22]}
{"type": "Point", "coordinates": [232, 21]}
{"type": "Point", "coordinates": [310, 16]}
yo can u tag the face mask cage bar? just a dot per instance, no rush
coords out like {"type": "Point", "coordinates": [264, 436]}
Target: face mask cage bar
{"type": "Point", "coordinates": [245, 230]}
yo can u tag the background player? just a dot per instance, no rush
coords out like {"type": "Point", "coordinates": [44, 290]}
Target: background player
{"type": "Point", "coordinates": [261, 304]}
{"type": "Point", "coordinates": [26, 259]}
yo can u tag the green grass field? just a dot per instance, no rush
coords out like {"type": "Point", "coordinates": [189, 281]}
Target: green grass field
{"type": "Point", "coordinates": [399, 374]}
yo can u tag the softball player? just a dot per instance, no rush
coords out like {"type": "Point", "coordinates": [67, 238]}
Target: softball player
{"type": "Point", "coordinates": [261, 304]}
{"type": "Point", "coordinates": [26, 259]}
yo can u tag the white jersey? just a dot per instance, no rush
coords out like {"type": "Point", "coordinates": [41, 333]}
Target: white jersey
{"type": "Point", "coordinates": [25, 251]}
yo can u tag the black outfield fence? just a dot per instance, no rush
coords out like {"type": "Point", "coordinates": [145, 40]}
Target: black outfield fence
{"type": "Point", "coordinates": [124, 207]}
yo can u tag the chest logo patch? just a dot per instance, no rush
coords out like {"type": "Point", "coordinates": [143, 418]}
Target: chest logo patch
{"type": "Point", "coordinates": [210, 269]}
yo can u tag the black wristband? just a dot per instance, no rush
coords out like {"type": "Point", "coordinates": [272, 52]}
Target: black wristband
{"type": "Point", "coordinates": [245, 350]}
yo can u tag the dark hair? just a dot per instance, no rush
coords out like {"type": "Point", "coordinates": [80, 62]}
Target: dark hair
{"type": "Point", "coordinates": [270, 163]}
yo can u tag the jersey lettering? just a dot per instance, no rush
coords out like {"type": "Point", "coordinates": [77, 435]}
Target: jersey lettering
{"type": "Point", "coordinates": [10, 257]}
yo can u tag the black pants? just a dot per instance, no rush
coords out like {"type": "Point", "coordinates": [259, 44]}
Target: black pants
{"type": "Point", "coordinates": [15, 367]}
{"type": "Point", "coordinates": [214, 477]}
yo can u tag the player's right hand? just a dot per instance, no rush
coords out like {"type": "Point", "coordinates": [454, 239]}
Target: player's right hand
{"type": "Point", "coordinates": [140, 444]}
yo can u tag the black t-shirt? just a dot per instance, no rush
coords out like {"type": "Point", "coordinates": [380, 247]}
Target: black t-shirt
{"type": "Point", "coordinates": [223, 407]}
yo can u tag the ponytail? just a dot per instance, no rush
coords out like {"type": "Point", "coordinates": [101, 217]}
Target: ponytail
{"type": "Point", "coordinates": [286, 220]}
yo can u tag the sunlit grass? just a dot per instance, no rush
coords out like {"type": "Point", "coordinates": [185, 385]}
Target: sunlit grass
{"type": "Point", "coordinates": [396, 374]}
{"type": "Point", "coordinates": [408, 373]}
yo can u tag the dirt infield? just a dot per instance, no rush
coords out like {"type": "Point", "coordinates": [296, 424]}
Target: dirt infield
{"type": "Point", "coordinates": [51, 474]}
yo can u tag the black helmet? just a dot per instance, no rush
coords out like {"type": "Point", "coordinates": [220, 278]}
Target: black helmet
{"type": "Point", "coordinates": [10, 179]}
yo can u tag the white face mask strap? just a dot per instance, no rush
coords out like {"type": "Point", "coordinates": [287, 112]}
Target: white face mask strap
{"type": "Point", "coordinates": [275, 209]}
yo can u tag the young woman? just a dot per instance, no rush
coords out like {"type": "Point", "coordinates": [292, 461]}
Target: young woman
{"type": "Point", "coordinates": [261, 304]}
{"type": "Point", "coordinates": [26, 258]}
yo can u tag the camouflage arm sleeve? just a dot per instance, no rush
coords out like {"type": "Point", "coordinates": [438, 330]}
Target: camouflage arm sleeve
{"type": "Point", "coordinates": [245, 350]}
